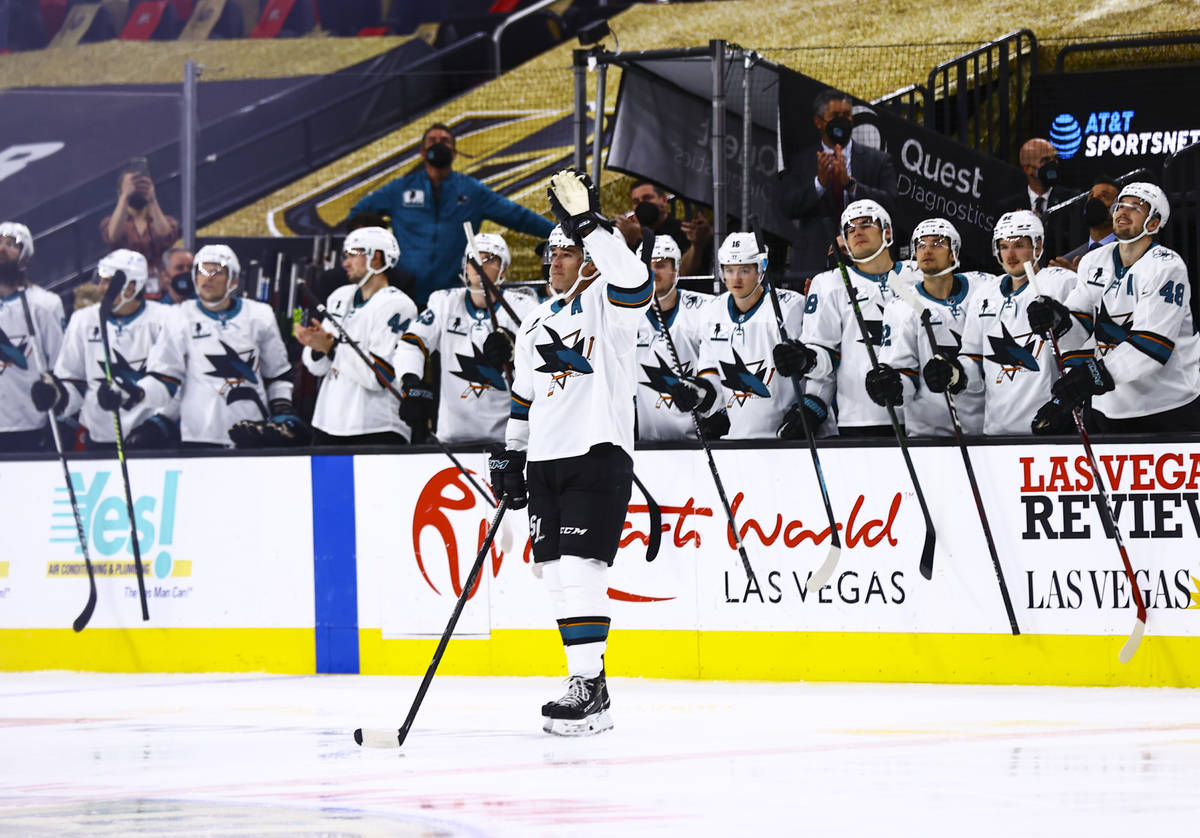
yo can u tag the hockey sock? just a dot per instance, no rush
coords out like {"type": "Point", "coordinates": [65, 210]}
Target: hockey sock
{"type": "Point", "coordinates": [579, 592]}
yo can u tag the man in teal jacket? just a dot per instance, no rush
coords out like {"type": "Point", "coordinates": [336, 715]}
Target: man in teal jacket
{"type": "Point", "coordinates": [428, 207]}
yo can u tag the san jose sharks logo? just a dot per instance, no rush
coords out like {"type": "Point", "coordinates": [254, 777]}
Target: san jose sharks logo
{"type": "Point", "coordinates": [563, 361]}
{"type": "Point", "coordinates": [236, 371]}
{"type": "Point", "coordinates": [1012, 356]}
{"type": "Point", "coordinates": [126, 374]}
{"type": "Point", "coordinates": [744, 382]}
{"type": "Point", "coordinates": [12, 354]}
{"type": "Point", "coordinates": [479, 375]}
{"type": "Point", "coordinates": [874, 327]}
{"type": "Point", "coordinates": [662, 378]}
{"type": "Point", "coordinates": [1111, 331]}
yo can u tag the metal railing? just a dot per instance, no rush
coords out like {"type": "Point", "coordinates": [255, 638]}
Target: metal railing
{"type": "Point", "coordinates": [907, 102]}
{"type": "Point", "coordinates": [516, 16]}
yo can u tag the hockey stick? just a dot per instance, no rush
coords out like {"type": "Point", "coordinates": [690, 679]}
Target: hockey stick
{"type": "Point", "coordinates": [1106, 514]}
{"type": "Point", "coordinates": [476, 262]}
{"type": "Point", "coordinates": [926, 565]}
{"type": "Point", "coordinates": [822, 574]}
{"type": "Point", "coordinates": [116, 285]}
{"type": "Point", "coordinates": [379, 738]}
{"type": "Point", "coordinates": [90, 606]}
{"type": "Point", "coordinates": [923, 314]}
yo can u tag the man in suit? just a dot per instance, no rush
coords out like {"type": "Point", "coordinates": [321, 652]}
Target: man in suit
{"type": "Point", "coordinates": [1043, 187]}
{"type": "Point", "coordinates": [1097, 214]}
{"type": "Point", "coordinates": [822, 180]}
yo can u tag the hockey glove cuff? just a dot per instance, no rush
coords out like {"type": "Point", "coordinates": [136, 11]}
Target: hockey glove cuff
{"type": "Point", "coordinates": [715, 426]}
{"type": "Point", "coordinates": [416, 408]}
{"type": "Point", "coordinates": [1053, 418]}
{"type": "Point", "coordinates": [575, 204]}
{"type": "Point", "coordinates": [1081, 382]}
{"type": "Point", "coordinates": [811, 410]}
{"type": "Point", "coordinates": [507, 471]}
{"type": "Point", "coordinates": [157, 432]}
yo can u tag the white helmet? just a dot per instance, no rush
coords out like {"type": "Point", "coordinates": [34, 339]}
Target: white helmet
{"type": "Point", "coordinates": [743, 249]}
{"type": "Point", "coordinates": [132, 263]}
{"type": "Point", "coordinates": [1018, 224]}
{"type": "Point", "coordinates": [867, 208]}
{"type": "Point", "coordinates": [372, 240]}
{"type": "Point", "coordinates": [1160, 207]}
{"type": "Point", "coordinates": [938, 227]}
{"type": "Point", "coordinates": [489, 243]}
{"type": "Point", "coordinates": [20, 233]}
{"type": "Point", "coordinates": [664, 248]}
{"type": "Point", "coordinates": [216, 254]}
{"type": "Point", "coordinates": [558, 238]}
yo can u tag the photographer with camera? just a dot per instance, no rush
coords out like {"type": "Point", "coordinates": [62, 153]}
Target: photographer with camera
{"type": "Point", "coordinates": [138, 223]}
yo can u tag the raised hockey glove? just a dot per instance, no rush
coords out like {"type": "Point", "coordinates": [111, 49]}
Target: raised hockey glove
{"type": "Point", "coordinates": [715, 426]}
{"type": "Point", "coordinates": [944, 372]}
{"type": "Point", "coordinates": [48, 393]}
{"type": "Point", "coordinates": [507, 472]}
{"type": "Point", "coordinates": [1081, 382]}
{"type": "Point", "coordinates": [1045, 314]}
{"type": "Point", "coordinates": [693, 392]}
{"type": "Point", "coordinates": [1053, 418]}
{"type": "Point", "coordinates": [884, 386]}
{"type": "Point", "coordinates": [498, 348]}
{"type": "Point", "coordinates": [793, 359]}
{"type": "Point", "coordinates": [575, 204]}
{"type": "Point", "coordinates": [416, 408]}
{"type": "Point", "coordinates": [156, 433]}
{"type": "Point", "coordinates": [113, 397]}
{"type": "Point", "coordinates": [810, 409]}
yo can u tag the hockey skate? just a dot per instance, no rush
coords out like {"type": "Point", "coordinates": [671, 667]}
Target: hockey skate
{"type": "Point", "coordinates": [583, 711]}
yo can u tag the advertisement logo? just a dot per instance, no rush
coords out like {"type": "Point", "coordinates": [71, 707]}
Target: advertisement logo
{"type": "Point", "coordinates": [1114, 133]}
{"type": "Point", "coordinates": [1066, 135]}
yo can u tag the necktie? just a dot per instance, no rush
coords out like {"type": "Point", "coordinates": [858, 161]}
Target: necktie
{"type": "Point", "coordinates": [1092, 245]}
{"type": "Point", "coordinates": [1039, 206]}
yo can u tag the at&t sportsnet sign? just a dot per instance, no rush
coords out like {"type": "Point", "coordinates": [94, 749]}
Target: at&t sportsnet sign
{"type": "Point", "coordinates": [1110, 132]}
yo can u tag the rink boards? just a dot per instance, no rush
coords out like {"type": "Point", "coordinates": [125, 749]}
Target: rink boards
{"type": "Point", "coordinates": [353, 564]}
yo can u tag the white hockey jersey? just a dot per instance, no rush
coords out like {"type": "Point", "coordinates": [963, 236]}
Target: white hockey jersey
{"type": "Point", "coordinates": [831, 330]}
{"type": "Point", "coordinates": [19, 366]}
{"type": "Point", "coordinates": [575, 362]}
{"type": "Point", "coordinates": [657, 418]}
{"type": "Point", "coordinates": [474, 403]}
{"type": "Point", "coordinates": [925, 412]}
{"type": "Point", "coordinates": [352, 401]}
{"type": "Point", "coordinates": [1139, 321]}
{"type": "Point", "coordinates": [230, 364]}
{"type": "Point", "coordinates": [81, 365]}
{"type": "Point", "coordinates": [1000, 353]}
{"type": "Point", "coordinates": [736, 352]}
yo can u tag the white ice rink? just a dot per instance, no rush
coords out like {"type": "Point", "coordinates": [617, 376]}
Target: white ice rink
{"type": "Point", "coordinates": [89, 754]}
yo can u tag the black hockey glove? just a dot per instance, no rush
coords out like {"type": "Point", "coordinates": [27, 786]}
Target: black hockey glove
{"type": "Point", "coordinates": [498, 348]}
{"type": "Point", "coordinates": [793, 359]}
{"type": "Point", "coordinates": [48, 393]}
{"type": "Point", "coordinates": [811, 409]}
{"type": "Point", "coordinates": [693, 392]}
{"type": "Point", "coordinates": [715, 426]}
{"type": "Point", "coordinates": [156, 433]}
{"type": "Point", "coordinates": [507, 471]}
{"type": "Point", "coordinates": [884, 386]}
{"type": "Point", "coordinates": [1053, 418]}
{"type": "Point", "coordinates": [416, 408]}
{"type": "Point", "coordinates": [944, 372]}
{"type": "Point", "coordinates": [575, 204]}
{"type": "Point", "coordinates": [113, 397]}
{"type": "Point", "coordinates": [1081, 382]}
{"type": "Point", "coordinates": [1046, 313]}
{"type": "Point", "coordinates": [286, 430]}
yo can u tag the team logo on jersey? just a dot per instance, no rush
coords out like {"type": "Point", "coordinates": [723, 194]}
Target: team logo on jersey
{"type": "Point", "coordinates": [236, 370]}
{"type": "Point", "coordinates": [874, 328]}
{"type": "Point", "coordinates": [1111, 331]}
{"type": "Point", "coordinates": [12, 354]}
{"type": "Point", "coordinates": [479, 375]}
{"type": "Point", "coordinates": [744, 382]}
{"type": "Point", "coordinates": [1012, 356]}
{"type": "Point", "coordinates": [662, 378]}
{"type": "Point", "coordinates": [562, 361]}
{"type": "Point", "coordinates": [126, 374]}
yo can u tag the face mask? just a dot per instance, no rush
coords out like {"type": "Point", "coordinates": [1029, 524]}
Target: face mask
{"type": "Point", "coordinates": [1095, 213]}
{"type": "Point", "coordinates": [137, 200]}
{"type": "Point", "coordinates": [838, 129]}
{"type": "Point", "coordinates": [181, 284]}
{"type": "Point", "coordinates": [439, 155]}
{"type": "Point", "coordinates": [1049, 174]}
{"type": "Point", "coordinates": [646, 213]}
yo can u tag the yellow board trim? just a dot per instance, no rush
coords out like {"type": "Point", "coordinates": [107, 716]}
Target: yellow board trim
{"type": "Point", "coordinates": [291, 651]}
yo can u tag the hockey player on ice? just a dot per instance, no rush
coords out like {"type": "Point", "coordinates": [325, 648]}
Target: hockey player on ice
{"type": "Point", "coordinates": [947, 295]}
{"type": "Point", "coordinates": [572, 419]}
{"type": "Point", "coordinates": [1014, 365]}
{"type": "Point", "coordinates": [79, 383]}
{"type": "Point", "coordinates": [1126, 331]}
{"type": "Point", "coordinates": [831, 352]}
{"type": "Point", "coordinates": [227, 356]}
{"type": "Point", "coordinates": [475, 401]}
{"type": "Point", "coordinates": [353, 406]}
{"type": "Point", "coordinates": [22, 426]}
{"type": "Point", "coordinates": [683, 312]}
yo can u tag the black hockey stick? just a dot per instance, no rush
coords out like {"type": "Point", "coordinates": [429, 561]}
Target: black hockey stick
{"type": "Point", "coordinates": [926, 565]}
{"type": "Point", "coordinates": [923, 314]}
{"type": "Point", "coordinates": [115, 285]}
{"type": "Point", "coordinates": [90, 606]}
{"type": "Point", "coordinates": [1106, 514]}
{"type": "Point", "coordinates": [489, 291]}
{"type": "Point", "coordinates": [654, 537]}
{"type": "Point", "coordinates": [389, 738]}
{"type": "Point", "coordinates": [818, 579]}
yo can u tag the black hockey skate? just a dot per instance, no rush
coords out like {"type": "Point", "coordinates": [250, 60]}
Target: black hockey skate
{"type": "Point", "coordinates": [583, 711]}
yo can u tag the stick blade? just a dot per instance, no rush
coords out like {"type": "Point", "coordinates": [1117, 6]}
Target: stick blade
{"type": "Point", "coordinates": [85, 615]}
{"type": "Point", "coordinates": [818, 579]}
{"type": "Point", "coordinates": [926, 566]}
{"type": "Point", "coordinates": [380, 738]}
{"type": "Point", "coordinates": [1135, 640]}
